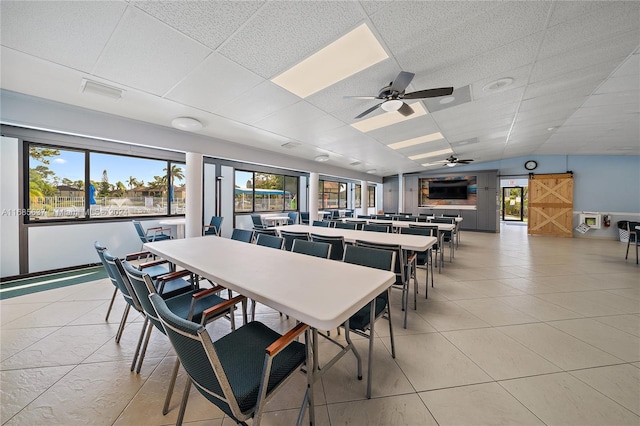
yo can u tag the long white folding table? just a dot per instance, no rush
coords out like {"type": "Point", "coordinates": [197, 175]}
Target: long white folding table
{"type": "Point", "coordinates": [319, 292]}
{"type": "Point", "coordinates": [407, 242]}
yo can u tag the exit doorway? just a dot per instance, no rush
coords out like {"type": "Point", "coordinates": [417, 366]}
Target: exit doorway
{"type": "Point", "coordinates": [514, 203]}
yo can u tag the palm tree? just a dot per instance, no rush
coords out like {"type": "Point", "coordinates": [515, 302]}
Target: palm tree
{"type": "Point", "coordinates": [176, 173]}
{"type": "Point", "coordinates": [133, 182]}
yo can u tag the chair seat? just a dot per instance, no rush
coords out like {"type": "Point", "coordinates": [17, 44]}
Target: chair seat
{"type": "Point", "coordinates": [180, 305]}
{"type": "Point", "coordinates": [159, 237]}
{"type": "Point", "coordinates": [361, 319]}
{"type": "Point", "coordinates": [157, 270]}
{"type": "Point", "coordinates": [242, 355]}
{"type": "Point", "coordinates": [175, 287]}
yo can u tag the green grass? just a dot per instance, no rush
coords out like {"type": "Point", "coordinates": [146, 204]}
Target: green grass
{"type": "Point", "coordinates": [31, 285]}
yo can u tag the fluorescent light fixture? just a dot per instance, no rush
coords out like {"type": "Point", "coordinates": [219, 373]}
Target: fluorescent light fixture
{"type": "Point", "coordinates": [351, 53]}
{"type": "Point", "coordinates": [322, 158]}
{"type": "Point", "coordinates": [388, 118]}
{"type": "Point", "coordinates": [95, 88]}
{"type": "Point", "coordinates": [430, 164]}
{"type": "Point", "coordinates": [187, 124]}
{"type": "Point", "coordinates": [431, 154]}
{"type": "Point", "coordinates": [416, 141]}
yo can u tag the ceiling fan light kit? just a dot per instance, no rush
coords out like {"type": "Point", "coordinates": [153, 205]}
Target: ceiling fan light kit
{"type": "Point", "coordinates": [392, 105]}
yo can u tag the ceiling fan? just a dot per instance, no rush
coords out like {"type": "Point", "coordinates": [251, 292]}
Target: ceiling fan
{"type": "Point", "coordinates": [452, 161]}
{"type": "Point", "coordinates": [392, 95]}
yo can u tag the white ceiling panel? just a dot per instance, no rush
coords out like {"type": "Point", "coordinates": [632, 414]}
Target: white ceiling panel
{"type": "Point", "coordinates": [575, 65]}
{"type": "Point", "coordinates": [213, 83]}
{"type": "Point", "coordinates": [281, 34]}
{"type": "Point", "coordinates": [144, 53]}
{"type": "Point", "coordinates": [67, 33]}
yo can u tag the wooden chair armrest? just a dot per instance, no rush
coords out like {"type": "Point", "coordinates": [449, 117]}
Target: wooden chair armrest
{"type": "Point", "coordinates": [273, 349]}
{"type": "Point", "coordinates": [206, 292]}
{"type": "Point", "coordinates": [173, 275]}
{"type": "Point", "coordinates": [412, 258]}
{"type": "Point", "coordinates": [221, 307]}
{"type": "Point", "coordinates": [150, 264]}
{"type": "Point", "coordinates": [155, 228]}
{"type": "Point", "coordinates": [137, 255]}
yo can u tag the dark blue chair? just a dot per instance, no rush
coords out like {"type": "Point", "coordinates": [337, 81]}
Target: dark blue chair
{"type": "Point", "coordinates": [311, 248]}
{"type": "Point", "coordinates": [270, 241]}
{"type": "Point", "coordinates": [337, 245]}
{"type": "Point", "coordinates": [243, 235]}
{"type": "Point", "coordinates": [156, 233]}
{"type": "Point", "coordinates": [377, 227]}
{"type": "Point", "coordinates": [304, 218]}
{"type": "Point", "coordinates": [257, 222]}
{"type": "Point", "coordinates": [239, 372]}
{"type": "Point", "coordinates": [214, 227]}
{"type": "Point", "coordinates": [293, 218]}
{"type": "Point", "coordinates": [100, 249]}
{"type": "Point", "coordinates": [322, 223]}
{"type": "Point", "coordinates": [424, 257]}
{"type": "Point", "coordinates": [290, 237]}
{"type": "Point", "coordinates": [347, 225]}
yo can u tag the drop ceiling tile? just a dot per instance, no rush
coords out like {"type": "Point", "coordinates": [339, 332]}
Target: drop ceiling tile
{"type": "Point", "coordinates": [560, 101]}
{"type": "Point", "coordinates": [147, 54]}
{"type": "Point", "coordinates": [409, 129]}
{"type": "Point", "coordinates": [290, 117]}
{"type": "Point", "coordinates": [281, 34]}
{"type": "Point", "coordinates": [213, 83]}
{"type": "Point", "coordinates": [618, 98]}
{"type": "Point", "coordinates": [519, 75]}
{"type": "Point", "coordinates": [567, 10]}
{"type": "Point", "coordinates": [620, 84]}
{"type": "Point", "coordinates": [307, 132]}
{"type": "Point", "coordinates": [67, 33]}
{"type": "Point", "coordinates": [210, 23]}
{"type": "Point", "coordinates": [612, 51]}
{"type": "Point", "coordinates": [261, 101]}
{"type": "Point", "coordinates": [630, 67]}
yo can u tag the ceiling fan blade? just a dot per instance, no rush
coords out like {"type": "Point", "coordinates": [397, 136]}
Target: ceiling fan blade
{"type": "Point", "coordinates": [402, 81]}
{"type": "Point", "coordinates": [465, 161]}
{"type": "Point", "coordinates": [429, 93]}
{"type": "Point", "coordinates": [405, 110]}
{"type": "Point", "coordinates": [360, 97]}
{"type": "Point", "coordinates": [370, 110]}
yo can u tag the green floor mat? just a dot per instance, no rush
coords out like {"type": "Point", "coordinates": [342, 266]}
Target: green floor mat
{"type": "Point", "coordinates": [24, 286]}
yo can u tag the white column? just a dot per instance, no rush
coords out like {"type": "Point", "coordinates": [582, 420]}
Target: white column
{"type": "Point", "coordinates": [364, 197]}
{"type": "Point", "coordinates": [314, 183]}
{"type": "Point", "coordinates": [195, 172]}
{"type": "Point", "coordinates": [400, 193]}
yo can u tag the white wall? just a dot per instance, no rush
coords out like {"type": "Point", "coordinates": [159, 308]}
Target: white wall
{"type": "Point", "coordinates": [227, 194]}
{"type": "Point", "coordinates": [9, 190]}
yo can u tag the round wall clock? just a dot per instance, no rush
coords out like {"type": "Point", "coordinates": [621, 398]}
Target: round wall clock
{"type": "Point", "coordinates": [530, 165]}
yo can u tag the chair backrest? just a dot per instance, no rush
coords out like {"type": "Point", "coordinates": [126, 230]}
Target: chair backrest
{"type": "Point", "coordinates": [450, 215]}
{"type": "Point", "coordinates": [370, 257]}
{"type": "Point", "coordinates": [335, 214]}
{"type": "Point", "coordinates": [215, 226]}
{"type": "Point", "coordinates": [257, 220]}
{"type": "Point", "coordinates": [293, 218]}
{"type": "Point", "coordinates": [450, 220]}
{"type": "Point", "coordinates": [100, 248]}
{"type": "Point", "coordinates": [377, 227]}
{"type": "Point", "coordinates": [119, 279]}
{"type": "Point", "coordinates": [348, 213]}
{"type": "Point", "coordinates": [197, 355]}
{"type": "Point", "coordinates": [269, 241]}
{"type": "Point", "coordinates": [243, 235]}
{"type": "Point", "coordinates": [290, 237]}
{"type": "Point", "coordinates": [257, 232]}
{"type": "Point", "coordinates": [312, 248]}
{"type": "Point", "coordinates": [633, 232]}
{"type": "Point", "coordinates": [320, 223]}
{"type": "Point", "coordinates": [140, 230]}
{"type": "Point", "coordinates": [304, 217]}
{"type": "Point", "coordinates": [337, 245]}
{"type": "Point", "coordinates": [407, 218]}
{"type": "Point", "coordinates": [143, 286]}
{"type": "Point", "coordinates": [347, 225]}
{"type": "Point", "coordinates": [359, 224]}
{"type": "Point", "coordinates": [394, 248]}
{"type": "Point", "coordinates": [431, 231]}
{"type": "Point", "coordinates": [364, 216]}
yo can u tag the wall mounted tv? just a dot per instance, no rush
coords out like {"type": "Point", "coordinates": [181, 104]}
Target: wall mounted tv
{"type": "Point", "coordinates": [448, 189]}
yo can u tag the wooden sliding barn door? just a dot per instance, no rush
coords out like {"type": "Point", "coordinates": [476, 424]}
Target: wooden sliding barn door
{"type": "Point", "coordinates": [551, 204]}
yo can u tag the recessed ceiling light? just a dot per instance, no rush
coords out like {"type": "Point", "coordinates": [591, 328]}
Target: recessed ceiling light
{"type": "Point", "coordinates": [95, 88]}
{"type": "Point", "coordinates": [447, 100]}
{"type": "Point", "coordinates": [322, 158]}
{"type": "Point", "coordinates": [498, 84]}
{"type": "Point", "coordinates": [388, 118]}
{"type": "Point", "coordinates": [187, 124]}
{"type": "Point", "coordinates": [431, 154]}
{"type": "Point", "coordinates": [351, 53]}
{"type": "Point", "coordinates": [416, 141]}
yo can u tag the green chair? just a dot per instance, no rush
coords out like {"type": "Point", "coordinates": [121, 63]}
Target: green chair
{"type": "Point", "coordinates": [199, 307]}
{"type": "Point", "coordinates": [239, 372]}
{"type": "Point", "coordinates": [214, 227]}
{"type": "Point", "coordinates": [311, 248]}
{"type": "Point", "coordinates": [360, 322]}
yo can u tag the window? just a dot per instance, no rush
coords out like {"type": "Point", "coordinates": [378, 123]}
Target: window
{"type": "Point", "coordinates": [332, 195]}
{"type": "Point", "coordinates": [372, 196]}
{"type": "Point", "coordinates": [265, 192]}
{"type": "Point", "coordinates": [117, 185]}
{"type": "Point", "coordinates": [358, 201]}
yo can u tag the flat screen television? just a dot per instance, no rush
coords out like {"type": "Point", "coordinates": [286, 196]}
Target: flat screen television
{"type": "Point", "coordinates": [448, 189]}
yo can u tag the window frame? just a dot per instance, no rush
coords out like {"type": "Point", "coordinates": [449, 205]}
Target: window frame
{"type": "Point", "coordinates": [284, 208]}
{"type": "Point", "coordinates": [87, 218]}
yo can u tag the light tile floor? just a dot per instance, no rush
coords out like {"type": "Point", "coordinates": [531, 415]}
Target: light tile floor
{"type": "Point", "coordinates": [518, 330]}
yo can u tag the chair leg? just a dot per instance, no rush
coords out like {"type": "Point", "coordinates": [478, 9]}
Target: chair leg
{"type": "Point", "coordinates": [183, 403]}
{"type": "Point", "coordinates": [123, 321]}
{"type": "Point", "coordinates": [393, 346]}
{"type": "Point", "coordinates": [372, 336]}
{"type": "Point", "coordinates": [628, 243]}
{"type": "Point", "coordinates": [144, 348]}
{"type": "Point", "coordinates": [113, 298]}
{"type": "Point", "coordinates": [172, 383]}
{"type": "Point", "coordinates": [144, 328]}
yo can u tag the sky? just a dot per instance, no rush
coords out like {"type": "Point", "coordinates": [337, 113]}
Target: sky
{"type": "Point", "coordinates": [70, 164]}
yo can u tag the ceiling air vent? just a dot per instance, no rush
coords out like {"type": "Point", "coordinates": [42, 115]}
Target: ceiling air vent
{"type": "Point", "coordinates": [355, 163]}
{"type": "Point", "coordinates": [291, 145]}
{"type": "Point", "coordinates": [101, 89]}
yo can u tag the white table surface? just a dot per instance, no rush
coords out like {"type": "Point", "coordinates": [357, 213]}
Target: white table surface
{"type": "Point", "coordinates": [322, 293]}
{"type": "Point", "coordinates": [275, 219]}
{"type": "Point", "coordinates": [405, 224]}
{"type": "Point", "coordinates": [178, 223]}
{"type": "Point", "coordinates": [406, 241]}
